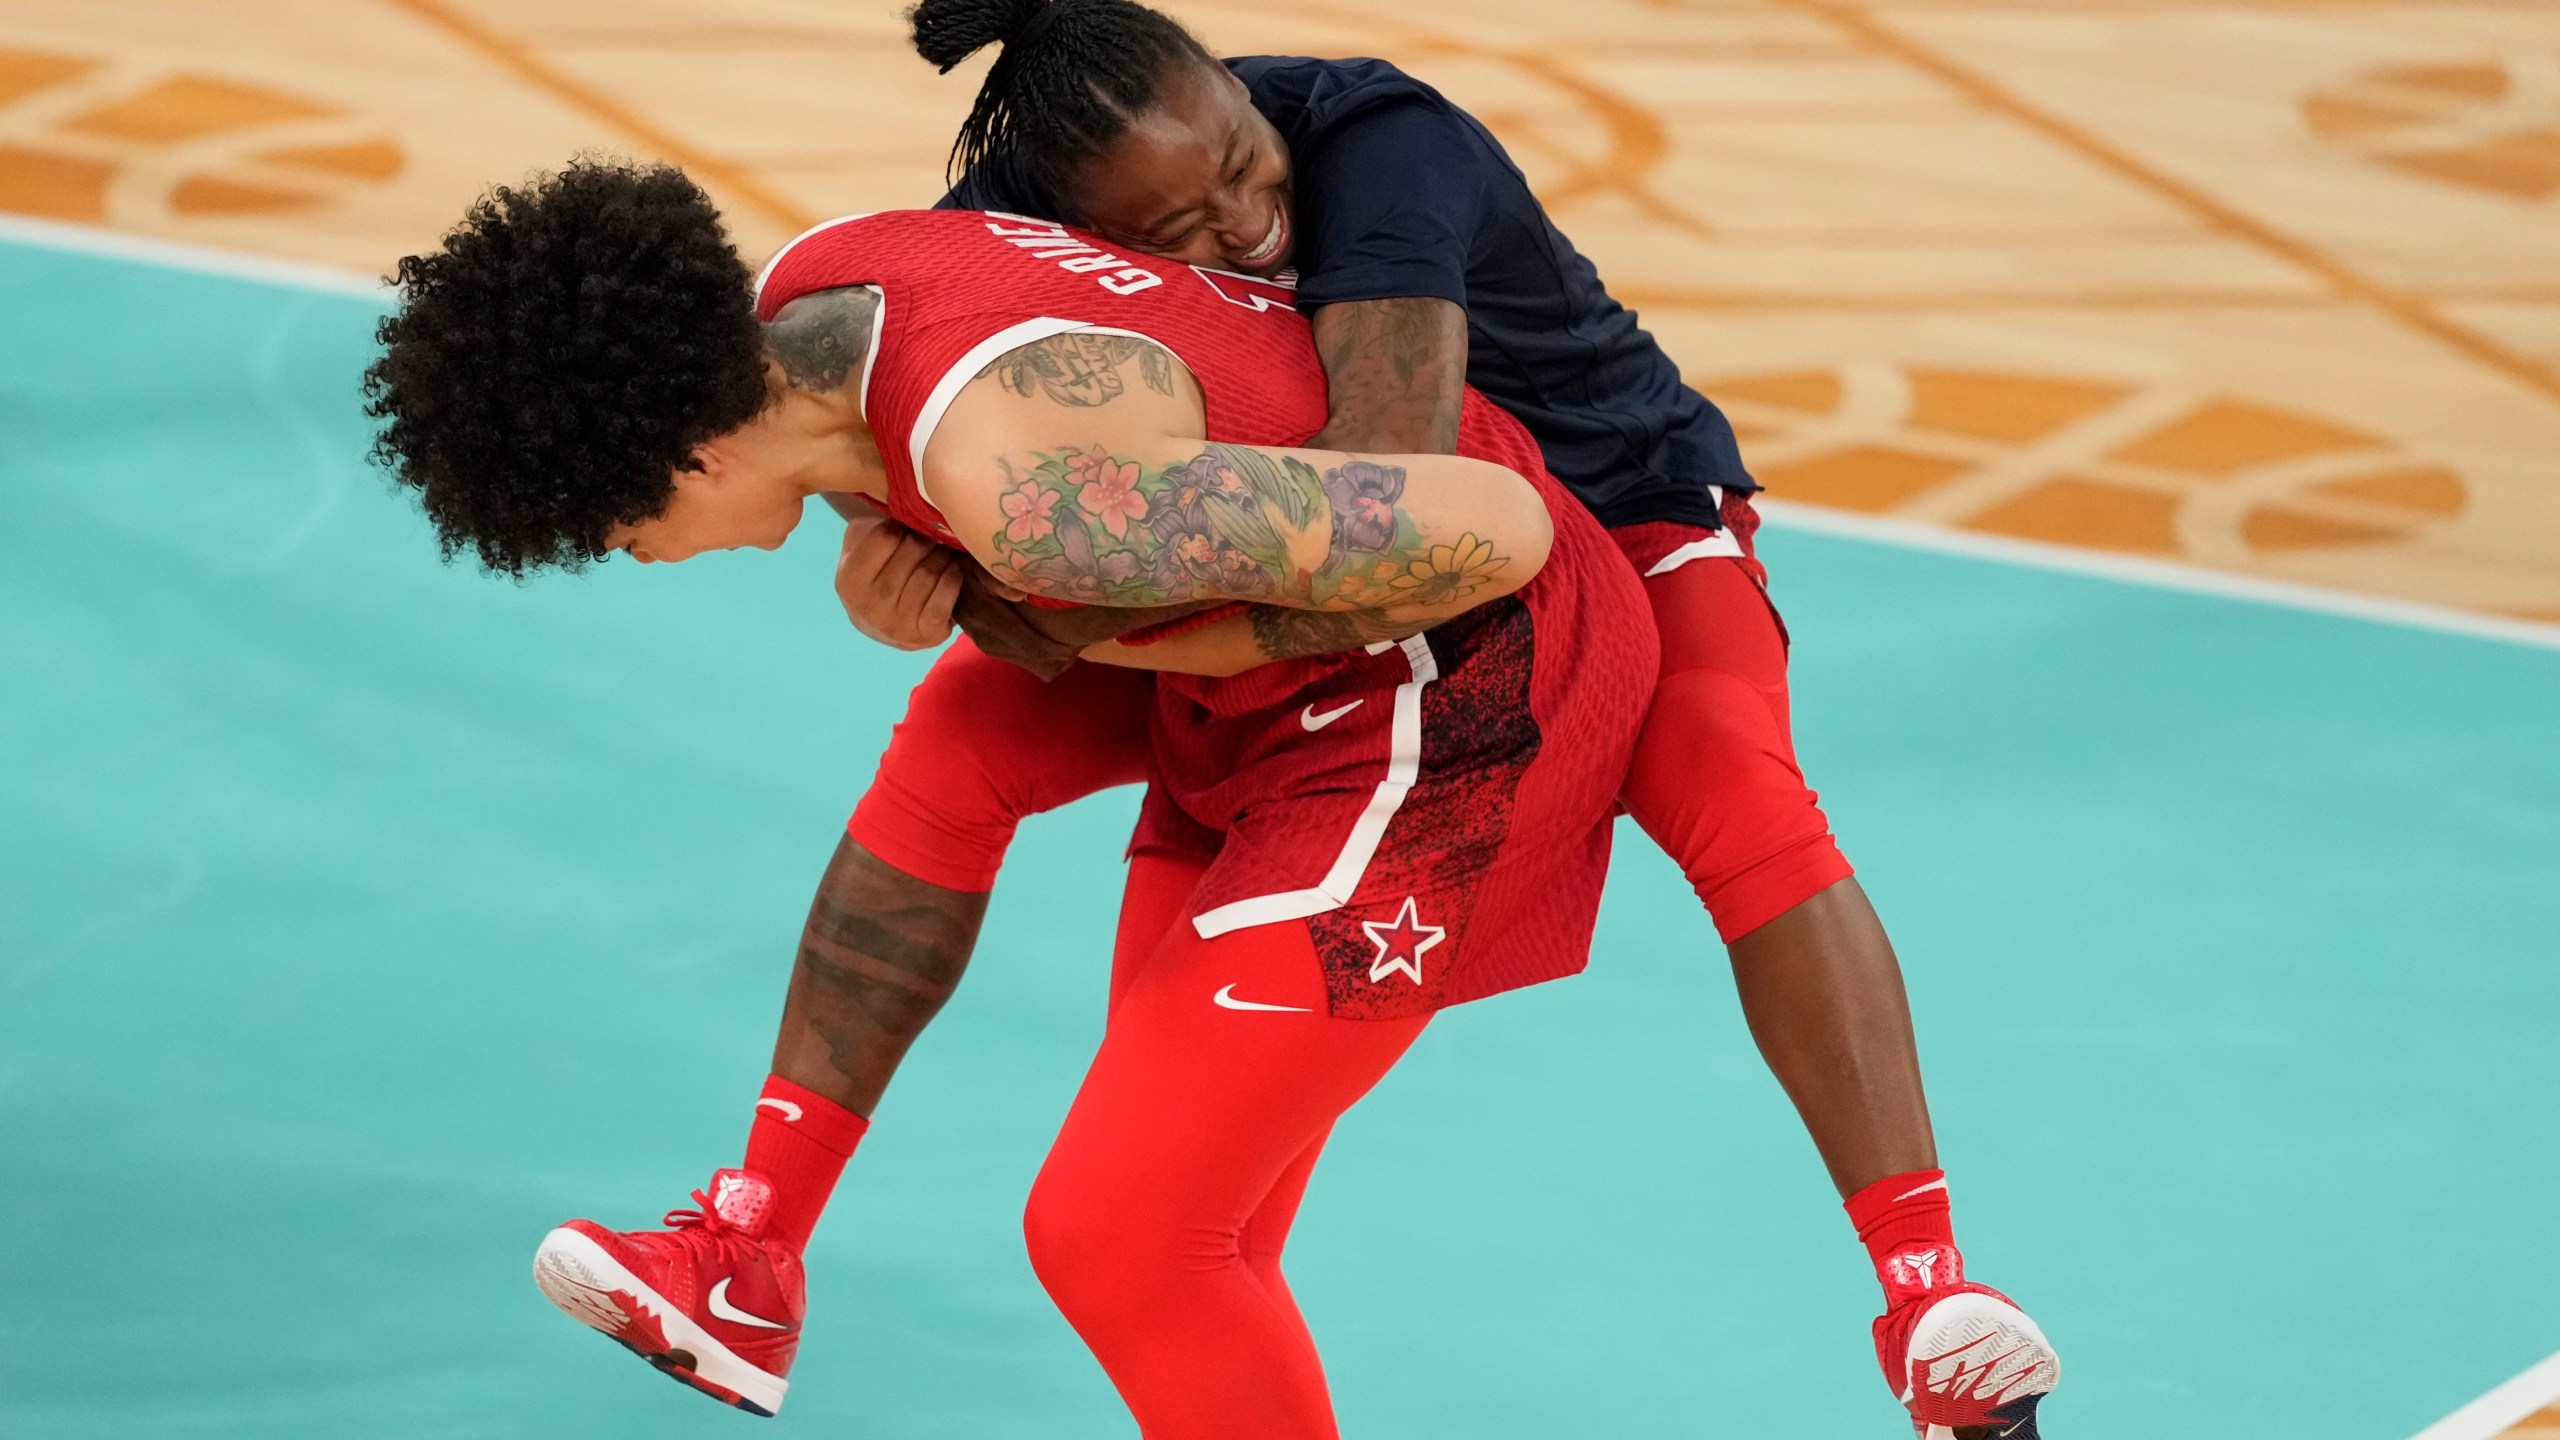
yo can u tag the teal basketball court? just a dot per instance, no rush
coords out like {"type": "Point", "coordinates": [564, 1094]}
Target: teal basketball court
{"type": "Point", "coordinates": [366, 916]}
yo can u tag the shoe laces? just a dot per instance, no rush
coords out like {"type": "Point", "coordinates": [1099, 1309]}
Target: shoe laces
{"type": "Point", "coordinates": [704, 1218]}
{"type": "Point", "coordinates": [713, 1238]}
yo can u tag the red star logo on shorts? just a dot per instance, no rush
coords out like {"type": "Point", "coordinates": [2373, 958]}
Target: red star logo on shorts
{"type": "Point", "coordinates": [1401, 944]}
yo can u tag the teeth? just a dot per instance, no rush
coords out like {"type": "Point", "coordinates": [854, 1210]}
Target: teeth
{"type": "Point", "coordinates": [1271, 241]}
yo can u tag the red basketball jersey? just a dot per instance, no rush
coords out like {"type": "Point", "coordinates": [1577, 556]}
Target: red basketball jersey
{"type": "Point", "coordinates": [960, 288]}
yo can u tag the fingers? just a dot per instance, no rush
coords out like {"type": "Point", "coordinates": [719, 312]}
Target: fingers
{"type": "Point", "coordinates": [929, 586]}
{"type": "Point", "coordinates": [897, 587]}
{"type": "Point", "coordinates": [998, 629]}
{"type": "Point", "coordinates": [868, 544]}
{"type": "Point", "coordinates": [946, 595]}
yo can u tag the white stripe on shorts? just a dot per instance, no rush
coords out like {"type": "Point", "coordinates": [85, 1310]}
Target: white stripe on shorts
{"type": "Point", "coordinates": [1404, 765]}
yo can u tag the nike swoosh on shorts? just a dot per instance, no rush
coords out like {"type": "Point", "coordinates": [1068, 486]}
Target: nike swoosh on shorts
{"type": "Point", "coordinates": [1226, 1000]}
{"type": "Point", "coordinates": [1313, 721]}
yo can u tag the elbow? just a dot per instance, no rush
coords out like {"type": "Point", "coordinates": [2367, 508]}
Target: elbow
{"type": "Point", "coordinates": [1530, 535]}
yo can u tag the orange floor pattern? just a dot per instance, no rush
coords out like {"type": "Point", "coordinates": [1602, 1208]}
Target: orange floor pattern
{"type": "Point", "coordinates": [2269, 286]}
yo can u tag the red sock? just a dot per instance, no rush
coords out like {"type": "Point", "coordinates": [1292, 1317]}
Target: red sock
{"type": "Point", "coordinates": [1909, 1232]}
{"type": "Point", "coordinates": [800, 1142]}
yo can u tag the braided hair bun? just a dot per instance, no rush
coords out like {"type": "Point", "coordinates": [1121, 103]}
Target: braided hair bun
{"type": "Point", "coordinates": [947, 32]}
{"type": "Point", "coordinates": [1073, 76]}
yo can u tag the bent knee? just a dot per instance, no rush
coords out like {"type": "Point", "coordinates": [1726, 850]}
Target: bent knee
{"type": "Point", "coordinates": [1716, 785]}
{"type": "Point", "coordinates": [1096, 1249]}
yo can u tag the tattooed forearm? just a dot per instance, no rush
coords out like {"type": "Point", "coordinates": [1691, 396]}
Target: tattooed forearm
{"type": "Point", "coordinates": [1281, 633]}
{"type": "Point", "coordinates": [1041, 639]}
{"type": "Point", "coordinates": [820, 339]}
{"type": "Point", "coordinates": [1232, 522]}
{"type": "Point", "coordinates": [879, 955]}
{"type": "Point", "coordinates": [1395, 375]}
{"type": "Point", "coordinates": [1082, 370]}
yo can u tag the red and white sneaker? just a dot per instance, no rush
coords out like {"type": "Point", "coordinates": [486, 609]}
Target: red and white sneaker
{"type": "Point", "coordinates": [1962, 1358]}
{"type": "Point", "coordinates": [704, 1300]}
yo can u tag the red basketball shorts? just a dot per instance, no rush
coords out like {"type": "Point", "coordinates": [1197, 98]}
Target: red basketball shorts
{"type": "Point", "coordinates": [1438, 814]}
{"type": "Point", "coordinates": [1713, 780]}
{"type": "Point", "coordinates": [985, 743]}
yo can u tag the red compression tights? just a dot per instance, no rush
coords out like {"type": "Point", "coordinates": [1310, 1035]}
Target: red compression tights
{"type": "Point", "coordinates": [1158, 1220]}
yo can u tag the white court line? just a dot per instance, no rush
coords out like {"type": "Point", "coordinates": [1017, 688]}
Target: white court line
{"type": "Point", "coordinates": [2493, 1413]}
{"type": "Point", "coordinates": [1907, 534]}
{"type": "Point", "coordinates": [175, 255]}
{"type": "Point", "coordinates": [2163, 574]}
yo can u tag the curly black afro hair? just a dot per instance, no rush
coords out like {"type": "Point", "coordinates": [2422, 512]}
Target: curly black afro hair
{"type": "Point", "coordinates": [554, 363]}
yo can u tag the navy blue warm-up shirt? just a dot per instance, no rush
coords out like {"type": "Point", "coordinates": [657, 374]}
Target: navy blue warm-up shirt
{"type": "Point", "coordinates": [1397, 192]}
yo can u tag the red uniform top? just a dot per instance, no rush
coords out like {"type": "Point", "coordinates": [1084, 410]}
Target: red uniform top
{"type": "Point", "coordinates": [960, 289]}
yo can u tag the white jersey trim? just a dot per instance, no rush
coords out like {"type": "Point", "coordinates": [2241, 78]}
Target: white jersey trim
{"type": "Point", "coordinates": [871, 352]}
{"type": "Point", "coordinates": [879, 313]}
{"type": "Point", "coordinates": [1286, 279]}
{"type": "Point", "coordinates": [1722, 544]}
{"type": "Point", "coordinates": [937, 401]}
{"type": "Point", "coordinates": [793, 243]}
{"type": "Point", "coordinates": [1404, 766]}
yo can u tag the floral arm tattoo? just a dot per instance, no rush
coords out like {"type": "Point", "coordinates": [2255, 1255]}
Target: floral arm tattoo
{"type": "Point", "coordinates": [1232, 522]}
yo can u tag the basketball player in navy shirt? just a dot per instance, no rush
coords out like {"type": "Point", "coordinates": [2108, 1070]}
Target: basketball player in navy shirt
{"type": "Point", "coordinates": [1380, 191]}
{"type": "Point", "coordinates": [1426, 265]}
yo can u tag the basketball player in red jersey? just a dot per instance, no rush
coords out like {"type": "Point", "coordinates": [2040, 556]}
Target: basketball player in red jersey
{"type": "Point", "coordinates": [1409, 811]}
{"type": "Point", "coordinates": [1424, 259]}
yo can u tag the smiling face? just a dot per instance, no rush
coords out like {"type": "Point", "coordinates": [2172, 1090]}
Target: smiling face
{"type": "Point", "coordinates": [1202, 179]}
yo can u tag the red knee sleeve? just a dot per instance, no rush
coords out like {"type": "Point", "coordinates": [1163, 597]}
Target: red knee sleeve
{"type": "Point", "coordinates": [984, 744]}
{"type": "Point", "coordinates": [1715, 781]}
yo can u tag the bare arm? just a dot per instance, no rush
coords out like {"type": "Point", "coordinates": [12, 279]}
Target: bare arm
{"type": "Point", "coordinates": [908, 592]}
{"type": "Point", "coordinates": [1395, 379]}
{"type": "Point", "coordinates": [901, 589]}
{"type": "Point", "coordinates": [1120, 503]}
{"type": "Point", "coordinates": [1395, 375]}
{"type": "Point", "coordinates": [1258, 635]}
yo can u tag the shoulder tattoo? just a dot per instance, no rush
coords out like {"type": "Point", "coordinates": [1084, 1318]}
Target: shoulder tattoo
{"type": "Point", "coordinates": [1081, 369]}
{"type": "Point", "coordinates": [820, 339]}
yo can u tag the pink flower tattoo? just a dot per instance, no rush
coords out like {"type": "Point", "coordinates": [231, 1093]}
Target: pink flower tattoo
{"type": "Point", "coordinates": [1026, 509]}
{"type": "Point", "coordinates": [1110, 492]}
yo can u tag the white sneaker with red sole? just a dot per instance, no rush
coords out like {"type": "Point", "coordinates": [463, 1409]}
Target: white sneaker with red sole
{"type": "Point", "coordinates": [1962, 1358]}
{"type": "Point", "coordinates": [706, 1300]}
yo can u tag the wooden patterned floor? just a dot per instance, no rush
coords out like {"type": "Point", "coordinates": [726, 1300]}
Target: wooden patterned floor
{"type": "Point", "coordinates": [2543, 1424]}
{"type": "Point", "coordinates": [2267, 286]}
